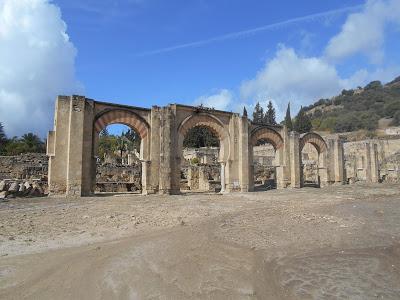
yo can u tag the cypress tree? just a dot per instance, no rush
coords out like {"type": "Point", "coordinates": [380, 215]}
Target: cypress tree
{"type": "Point", "coordinates": [288, 119]}
{"type": "Point", "coordinates": [244, 111]}
{"type": "Point", "coordinates": [270, 116]}
{"type": "Point", "coordinates": [258, 114]}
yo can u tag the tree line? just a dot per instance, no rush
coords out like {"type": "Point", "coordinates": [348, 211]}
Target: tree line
{"type": "Point", "coordinates": [301, 123]}
{"type": "Point", "coordinates": [117, 145]}
{"type": "Point", "coordinates": [27, 143]}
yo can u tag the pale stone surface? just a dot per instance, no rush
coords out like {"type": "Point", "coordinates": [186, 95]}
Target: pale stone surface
{"type": "Point", "coordinates": [78, 121]}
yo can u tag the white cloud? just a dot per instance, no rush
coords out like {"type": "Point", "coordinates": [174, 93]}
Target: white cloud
{"type": "Point", "coordinates": [37, 63]}
{"type": "Point", "coordinates": [364, 32]}
{"type": "Point", "coordinates": [221, 100]}
{"type": "Point", "coordinates": [289, 77]}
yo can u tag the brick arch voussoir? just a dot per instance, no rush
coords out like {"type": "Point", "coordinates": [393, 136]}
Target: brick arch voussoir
{"type": "Point", "coordinates": [268, 134]}
{"type": "Point", "coordinates": [118, 116]}
{"type": "Point", "coordinates": [314, 139]}
{"type": "Point", "coordinates": [205, 121]}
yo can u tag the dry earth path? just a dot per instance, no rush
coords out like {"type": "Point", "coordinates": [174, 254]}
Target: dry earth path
{"type": "Point", "coordinates": [339, 242]}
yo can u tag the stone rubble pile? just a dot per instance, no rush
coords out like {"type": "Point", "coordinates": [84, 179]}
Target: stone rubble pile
{"type": "Point", "coordinates": [15, 188]}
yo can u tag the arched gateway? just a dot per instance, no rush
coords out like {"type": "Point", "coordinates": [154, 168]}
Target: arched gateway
{"type": "Point", "coordinates": [78, 120]}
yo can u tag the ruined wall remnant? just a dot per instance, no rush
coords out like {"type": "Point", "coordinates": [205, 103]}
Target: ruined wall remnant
{"type": "Point", "coordinates": [374, 160]}
{"type": "Point", "coordinates": [24, 166]}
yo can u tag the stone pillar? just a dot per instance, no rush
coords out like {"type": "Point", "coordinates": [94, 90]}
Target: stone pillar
{"type": "Point", "coordinates": [129, 160]}
{"type": "Point", "coordinates": [323, 169]}
{"type": "Point", "coordinates": [295, 160]}
{"type": "Point", "coordinates": [57, 142]}
{"type": "Point", "coordinates": [367, 166]}
{"type": "Point", "coordinates": [146, 187]}
{"type": "Point", "coordinates": [155, 136]}
{"type": "Point", "coordinates": [203, 180]}
{"type": "Point", "coordinates": [279, 170]}
{"type": "Point", "coordinates": [371, 162]}
{"type": "Point", "coordinates": [374, 163]}
{"type": "Point", "coordinates": [244, 155]}
{"type": "Point", "coordinates": [165, 151]}
{"type": "Point", "coordinates": [70, 147]}
{"type": "Point", "coordinates": [284, 159]}
{"type": "Point", "coordinates": [338, 160]}
{"type": "Point", "coordinates": [222, 177]}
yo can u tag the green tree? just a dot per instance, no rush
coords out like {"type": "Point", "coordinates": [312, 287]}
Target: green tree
{"type": "Point", "coordinates": [107, 145]}
{"type": "Point", "coordinates": [302, 122]}
{"type": "Point", "coordinates": [288, 119]}
{"type": "Point", "coordinates": [258, 114]}
{"type": "Point", "coordinates": [200, 136]}
{"type": "Point", "coordinates": [122, 145]}
{"type": "Point", "coordinates": [33, 142]}
{"type": "Point", "coordinates": [270, 115]}
{"type": "Point", "coordinates": [104, 132]}
{"type": "Point", "coordinates": [133, 139]}
{"type": "Point", "coordinates": [3, 139]}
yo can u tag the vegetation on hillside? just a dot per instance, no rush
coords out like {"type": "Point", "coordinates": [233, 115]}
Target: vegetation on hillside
{"type": "Point", "coordinates": [357, 109]}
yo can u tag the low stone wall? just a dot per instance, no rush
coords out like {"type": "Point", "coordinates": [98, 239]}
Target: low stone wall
{"type": "Point", "coordinates": [30, 166]}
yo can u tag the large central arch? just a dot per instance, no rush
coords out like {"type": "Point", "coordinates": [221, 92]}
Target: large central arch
{"type": "Point", "coordinates": [131, 119]}
{"type": "Point", "coordinates": [216, 126]}
{"type": "Point", "coordinates": [125, 117]}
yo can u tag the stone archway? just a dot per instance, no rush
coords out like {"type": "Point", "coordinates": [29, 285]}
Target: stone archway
{"type": "Point", "coordinates": [130, 119]}
{"type": "Point", "coordinates": [321, 147]}
{"type": "Point", "coordinates": [270, 136]}
{"type": "Point", "coordinates": [217, 128]}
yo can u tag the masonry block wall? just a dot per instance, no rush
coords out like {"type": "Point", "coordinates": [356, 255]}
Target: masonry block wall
{"type": "Point", "coordinates": [72, 146]}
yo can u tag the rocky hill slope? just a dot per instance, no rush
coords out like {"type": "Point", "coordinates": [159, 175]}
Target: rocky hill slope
{"type": "Point", "coordinates": [361, 108]}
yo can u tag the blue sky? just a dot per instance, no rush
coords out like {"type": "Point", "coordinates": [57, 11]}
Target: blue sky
{"type": "Point", "coordinates": [120, 50]}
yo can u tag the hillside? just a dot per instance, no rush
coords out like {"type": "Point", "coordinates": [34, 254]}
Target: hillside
{"type": "Point", "coordinates": [357, 109]}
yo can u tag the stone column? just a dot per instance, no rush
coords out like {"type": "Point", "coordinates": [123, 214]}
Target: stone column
{"type": "Point", "coordinates": [279, 170]}
{"type": "Point", "coordinates": [155, 148]}
{"type": "Point", "coordinates": [374, 163]}
{"type": "Point", "coordinates": [167, 154]}
{"type": "Point", "coordinates": [339, 161]}
{"type": "Point", "coordinates": [322, 169]}
{"type": "Point", "coordinates": [244, 155]}
{"type": "Point", "coordinates": [222, 177]}
{"type": "Point", "coordinates": [146, 187]}
{"type": "Point", "coordinates": [70, 147]}
{"type": "Point", "coordinates": [295, 161]}
{"type": "Point", "coordinates": [367, 167]}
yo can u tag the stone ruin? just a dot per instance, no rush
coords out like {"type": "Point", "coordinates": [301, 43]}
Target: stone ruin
{"type": "Point", "coordinates": [23, 175]}
{"type": "Point", "coordinates": [26, 175]}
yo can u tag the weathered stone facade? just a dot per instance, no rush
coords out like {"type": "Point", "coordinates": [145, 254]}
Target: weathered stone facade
{"type": "Point", "coordinates": [73, 142]}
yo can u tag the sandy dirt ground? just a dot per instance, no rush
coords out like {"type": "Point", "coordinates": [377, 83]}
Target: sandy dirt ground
{"type": "Point", "coordinates": [339, 242]}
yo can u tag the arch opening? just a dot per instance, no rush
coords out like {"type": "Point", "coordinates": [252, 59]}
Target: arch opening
{"type": "Point", "coordinates": [117, 160]}
{"type": "Point", "coordinates": [200, 169]}
{"type": "Point", "coordinates": [312, 159]}
{"type": "Point", "coordinates": [210, 160]}
{"type": "Point", "coordinates": [120, 146]}
{"type": "Point", "coordinates": [265, 143]}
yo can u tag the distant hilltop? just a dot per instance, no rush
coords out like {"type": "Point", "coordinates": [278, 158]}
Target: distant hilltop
{"type": "Point", "coordinates": [364, 108]}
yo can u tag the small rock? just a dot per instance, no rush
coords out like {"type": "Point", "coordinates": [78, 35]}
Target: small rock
{"type": "Point", "coordinates": [2, 186]}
